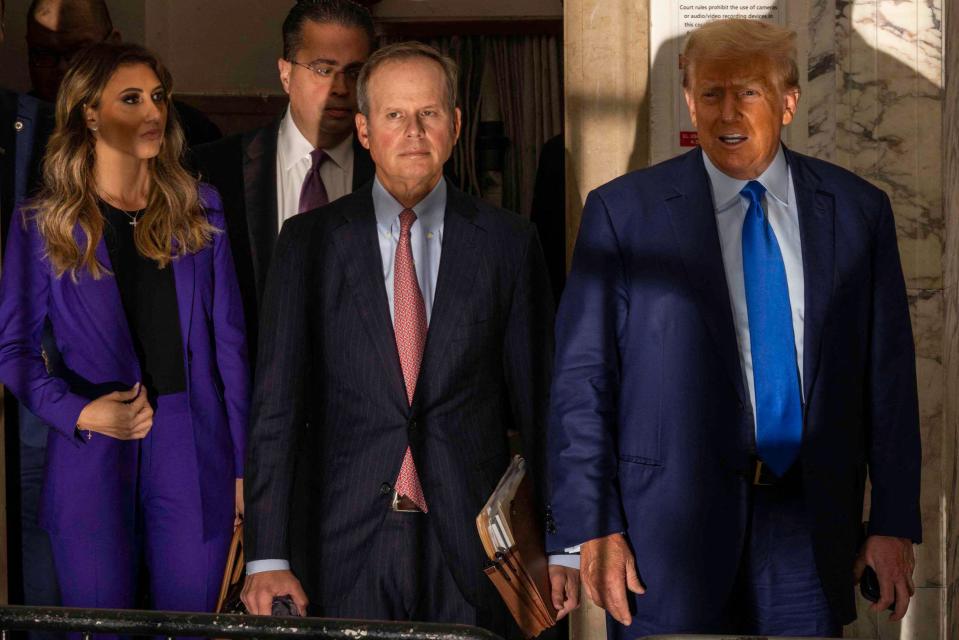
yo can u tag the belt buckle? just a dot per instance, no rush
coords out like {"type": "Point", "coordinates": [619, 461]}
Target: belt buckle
{"type": "Point", "coordinates": [395, 504]}
{"type": "Point", "coordinates": [758, 480]}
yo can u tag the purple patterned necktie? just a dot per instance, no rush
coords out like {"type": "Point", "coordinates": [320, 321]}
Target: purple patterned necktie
{"type": "Point", "coordinates": [313, 193]}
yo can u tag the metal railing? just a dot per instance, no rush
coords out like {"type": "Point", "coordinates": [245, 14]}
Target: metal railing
{"type": "Point", "coordinates": [128, 622]}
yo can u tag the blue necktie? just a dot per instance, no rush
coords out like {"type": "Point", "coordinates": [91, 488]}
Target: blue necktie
{"type": "Point", "coordinates": [775, 375]}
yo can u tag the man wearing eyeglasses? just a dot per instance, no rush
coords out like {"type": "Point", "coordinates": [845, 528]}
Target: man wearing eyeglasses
{"type": "Point", "coordinates": [306, 159]}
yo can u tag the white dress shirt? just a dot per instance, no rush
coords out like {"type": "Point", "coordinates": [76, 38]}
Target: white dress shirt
{"type": "Point", "coordinates": [426, 243]}
{"type": "Point", "coordinates": [293, 162]}
{"type": "Point", "coordinates": [782, 212]}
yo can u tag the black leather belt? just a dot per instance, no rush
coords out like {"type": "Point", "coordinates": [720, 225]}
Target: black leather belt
{"type": "Point", "coordinates": [760, 475]}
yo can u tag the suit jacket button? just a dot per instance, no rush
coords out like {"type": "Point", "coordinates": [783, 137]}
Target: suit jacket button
{"type": "Point", "coordinates": [412, 426]}
{"type": "Point", "coordinates": [385, 488]}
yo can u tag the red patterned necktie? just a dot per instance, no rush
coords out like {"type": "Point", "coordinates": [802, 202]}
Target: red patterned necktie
{"type": "Point", "coordinates": [409, 326]}
{"type": "Point", "coordinates": [313, 191]}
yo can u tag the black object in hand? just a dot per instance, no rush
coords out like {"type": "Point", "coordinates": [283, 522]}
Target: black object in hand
{"type": "Point", "coordinates": [869, 587]}
{"type": "Point", "coordinates": [284, 606]}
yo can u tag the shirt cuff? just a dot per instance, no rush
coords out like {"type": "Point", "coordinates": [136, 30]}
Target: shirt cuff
{"type": "Point", "coordinates": [570, 560]}
{"type": "Point", "coordinates": [259, 566]}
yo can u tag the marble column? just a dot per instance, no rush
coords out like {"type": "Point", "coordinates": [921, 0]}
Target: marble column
{"type": "Point", "coordinates": [950, 343]}
{"type": "Point", "coordinates": [606, 75]}
{"type": "Point", "coordinates": [875, 105]}
{"type": "Point", "coordinates": [606, 67]}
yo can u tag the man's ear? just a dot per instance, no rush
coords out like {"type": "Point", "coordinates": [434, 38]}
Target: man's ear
{"type": "Point", "coordinates": [691, 105]}
{"type": "Point", "coordinates": [285, 67]}
{"type": "Point", "coordinates": [362, 130]}
{"type": "Point", "coordinates": [457, 123]}
{"type": "Point", "coordinates": [790, 102]}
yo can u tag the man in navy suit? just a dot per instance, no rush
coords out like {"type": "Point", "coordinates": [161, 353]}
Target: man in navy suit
{"type": "Point", "coordinates": [734, 353]}
{"type": "Point", "coordinates": [405, 333]}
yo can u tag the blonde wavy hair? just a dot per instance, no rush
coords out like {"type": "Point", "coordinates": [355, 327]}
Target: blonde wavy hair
{"type": "Point", "coordinates": [173, 223]}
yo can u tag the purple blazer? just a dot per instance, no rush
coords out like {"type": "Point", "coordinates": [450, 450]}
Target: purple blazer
{"type": "Point", "coordinates": [85, 479]}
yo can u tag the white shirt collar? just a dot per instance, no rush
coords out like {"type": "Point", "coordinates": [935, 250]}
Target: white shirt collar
{"type": "Point", "coordinates": [726, 189]}
{"type": "Point", "coordinates": [292, 146]}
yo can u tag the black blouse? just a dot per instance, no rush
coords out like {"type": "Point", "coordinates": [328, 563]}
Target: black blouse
{"type": "Point", "coordinates": [149, 302]}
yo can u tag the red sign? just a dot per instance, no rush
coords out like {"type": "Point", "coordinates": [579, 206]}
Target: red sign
{"type": "Point", "coordinates": [688, 139]}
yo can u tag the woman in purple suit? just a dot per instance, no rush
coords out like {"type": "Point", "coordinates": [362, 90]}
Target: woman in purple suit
{"type": "Point", "coordinates": [123, 253]}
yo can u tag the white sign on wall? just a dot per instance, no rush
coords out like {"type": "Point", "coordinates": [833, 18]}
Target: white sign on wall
{"type": "Point", "coordinates": [671, 131]}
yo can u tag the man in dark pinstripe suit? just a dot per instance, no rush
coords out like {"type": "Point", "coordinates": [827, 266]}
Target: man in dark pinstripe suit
{"type": "Point", "coordinates": [406, 328]}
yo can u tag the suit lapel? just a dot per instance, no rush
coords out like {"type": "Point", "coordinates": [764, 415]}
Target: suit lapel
{"type": "Point", "coordinates": [259, 192]}
{"type": "Point", "coordinates": [692, 215]}
{"type": "Point", "coordinates": [457, 272]}
{"type": "Point", "coordinates": [358, 250]}
{"type": "Point", "coordinates": [817, 236]}
{"type": "Point", "coordinates": [184, 275]}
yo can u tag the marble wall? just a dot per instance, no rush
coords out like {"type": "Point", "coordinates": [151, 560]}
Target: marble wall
{"type": "Point", "coordinates": [874, 97]}
{"type": "Point", "coordinates": [950, 440]}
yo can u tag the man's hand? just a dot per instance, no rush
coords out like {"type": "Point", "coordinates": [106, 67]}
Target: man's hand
{"type": "Point", "coordinates": [564, 586]}
{"type": "Point", "coordinates": [260, 589]}
{"type": "Point", "coordinates": [125, 415]}
{"type": "Point", "coordinates": [608, 569]}
{"type": "Point", "coordinates": [893, 561]}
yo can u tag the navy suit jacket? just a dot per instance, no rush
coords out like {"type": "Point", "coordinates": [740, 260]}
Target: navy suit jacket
{"type": "Point", "coordinates": [650, 430]}
{"type": "Point", "coordinates": [330, 418]}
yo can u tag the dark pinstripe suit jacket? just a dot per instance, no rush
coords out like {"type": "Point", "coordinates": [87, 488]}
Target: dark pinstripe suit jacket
{"type": "Point", "coordinates": [330, 420]}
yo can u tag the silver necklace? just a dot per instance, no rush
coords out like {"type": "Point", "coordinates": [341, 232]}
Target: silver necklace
{"type": "Point", "coordinates": [134, 217]}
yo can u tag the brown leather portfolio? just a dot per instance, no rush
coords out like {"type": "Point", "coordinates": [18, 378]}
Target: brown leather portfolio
{"type": "Point", "coordinates": [510, 532]}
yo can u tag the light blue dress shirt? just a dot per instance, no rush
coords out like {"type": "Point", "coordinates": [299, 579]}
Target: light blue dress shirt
{"type": "Point", "coordinates": [783, 215]}
{"type": "Point", "coordinates": [426, 238]}
{"type": "Point", "coordinates": [426, 242]}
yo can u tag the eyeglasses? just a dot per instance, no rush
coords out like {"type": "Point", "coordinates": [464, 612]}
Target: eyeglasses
{"type": "Point", "coordinates": [327, 72]}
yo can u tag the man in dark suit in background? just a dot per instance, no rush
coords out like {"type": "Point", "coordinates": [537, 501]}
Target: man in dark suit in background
{"type": "Point", "coordinates": [406, 329]}
{"type": "Point", "coordinates": [25, 125]}
{"type": "Point", "coordinates": [57, 29]}
{"type": "Point", "coordinates": [733, 353]}
{"type": "Point", "coordinates": [307, 158]}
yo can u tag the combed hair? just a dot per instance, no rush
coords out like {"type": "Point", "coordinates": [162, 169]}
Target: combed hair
{"type": "Point", "coordinates": [738, 40]}
{"type": "Point", "coordinates": [342, 12]}
{"type": "Point", "coordinates": [172, 224]}
{"type": "Point", "coordinates": [406, 51]}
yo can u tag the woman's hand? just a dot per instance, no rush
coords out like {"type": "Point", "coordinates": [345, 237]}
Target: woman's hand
{"type": "Point", "coordinates": [238, 503]}
{"type": "Point", "coordinates": [124, 415]}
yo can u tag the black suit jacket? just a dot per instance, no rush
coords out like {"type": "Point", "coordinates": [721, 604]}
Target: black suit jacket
{"type": "Point", "coordinates": [242, 167]}
{"type": "Point", "coordinates": [330, 420]}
